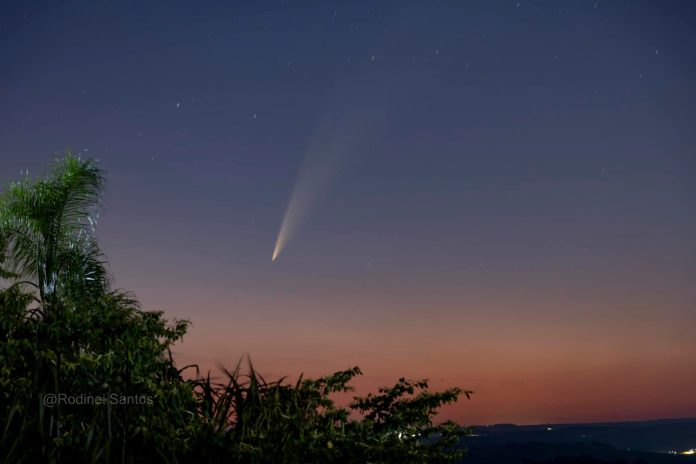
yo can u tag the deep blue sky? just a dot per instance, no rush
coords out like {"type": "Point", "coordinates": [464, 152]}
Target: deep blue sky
{"type": "Point", "coordinates": [512, 178]}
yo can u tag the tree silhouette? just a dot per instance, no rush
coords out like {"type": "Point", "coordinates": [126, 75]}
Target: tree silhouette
{"type": "Point", "coordinates": [66, 334]}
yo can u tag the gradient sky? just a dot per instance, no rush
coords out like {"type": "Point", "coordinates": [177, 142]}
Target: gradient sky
{"type": "Point", "coordinates": [511, 206]}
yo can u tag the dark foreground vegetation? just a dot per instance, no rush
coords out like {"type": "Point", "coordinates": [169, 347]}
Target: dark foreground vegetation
{"type": "Point", "coordinates": [86, 375]}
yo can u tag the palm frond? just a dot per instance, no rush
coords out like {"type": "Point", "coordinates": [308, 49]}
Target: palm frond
{"type": "Point", "coordinates": [47, 228]}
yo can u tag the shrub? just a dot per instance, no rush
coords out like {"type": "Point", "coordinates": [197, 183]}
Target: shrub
{"type": "Point", "coordinates": [64, 332]}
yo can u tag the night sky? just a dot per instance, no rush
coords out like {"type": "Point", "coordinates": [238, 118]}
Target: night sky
{"type": "Point", "coordinates": [495, 195]}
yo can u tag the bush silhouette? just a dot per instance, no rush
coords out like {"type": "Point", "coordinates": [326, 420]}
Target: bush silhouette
{"type": "Point", "coordinates": [86, 375]}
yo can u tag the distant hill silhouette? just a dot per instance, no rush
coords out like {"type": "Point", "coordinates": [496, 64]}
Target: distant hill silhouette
{"type": "Point", "coordinates": [646, 442]}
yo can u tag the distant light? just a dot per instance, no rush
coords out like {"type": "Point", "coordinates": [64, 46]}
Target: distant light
{"type": "Point", "coordinates": [691, 451]}
{"type": "Point", "coordinates": [548, 429]}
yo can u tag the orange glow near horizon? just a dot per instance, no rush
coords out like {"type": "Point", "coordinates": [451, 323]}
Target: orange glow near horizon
{"type": "Point", "coordinates": [533, 370]}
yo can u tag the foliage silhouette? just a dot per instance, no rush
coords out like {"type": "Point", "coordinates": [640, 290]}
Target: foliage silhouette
{"type": "Point", "coordinates": [65, 333]}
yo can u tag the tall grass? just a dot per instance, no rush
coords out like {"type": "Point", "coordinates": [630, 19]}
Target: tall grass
{"type": "Point", "coordinates": [257, 420]}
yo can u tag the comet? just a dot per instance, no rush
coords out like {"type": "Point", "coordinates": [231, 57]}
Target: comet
{"type": "Point", "coordinates": [322, 161]}
{"type": "Point", "coordinates": [333, 142]}
{"type": "Point", "coordinates": [339, 135]}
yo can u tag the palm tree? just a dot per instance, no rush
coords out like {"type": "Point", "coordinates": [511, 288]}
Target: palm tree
{"type": "Point", "coordinates": [79, 335]}
{"type": "Point", "coordinates": [48, 248]}
{"type": "Point", "coordinates": [47, 236]}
